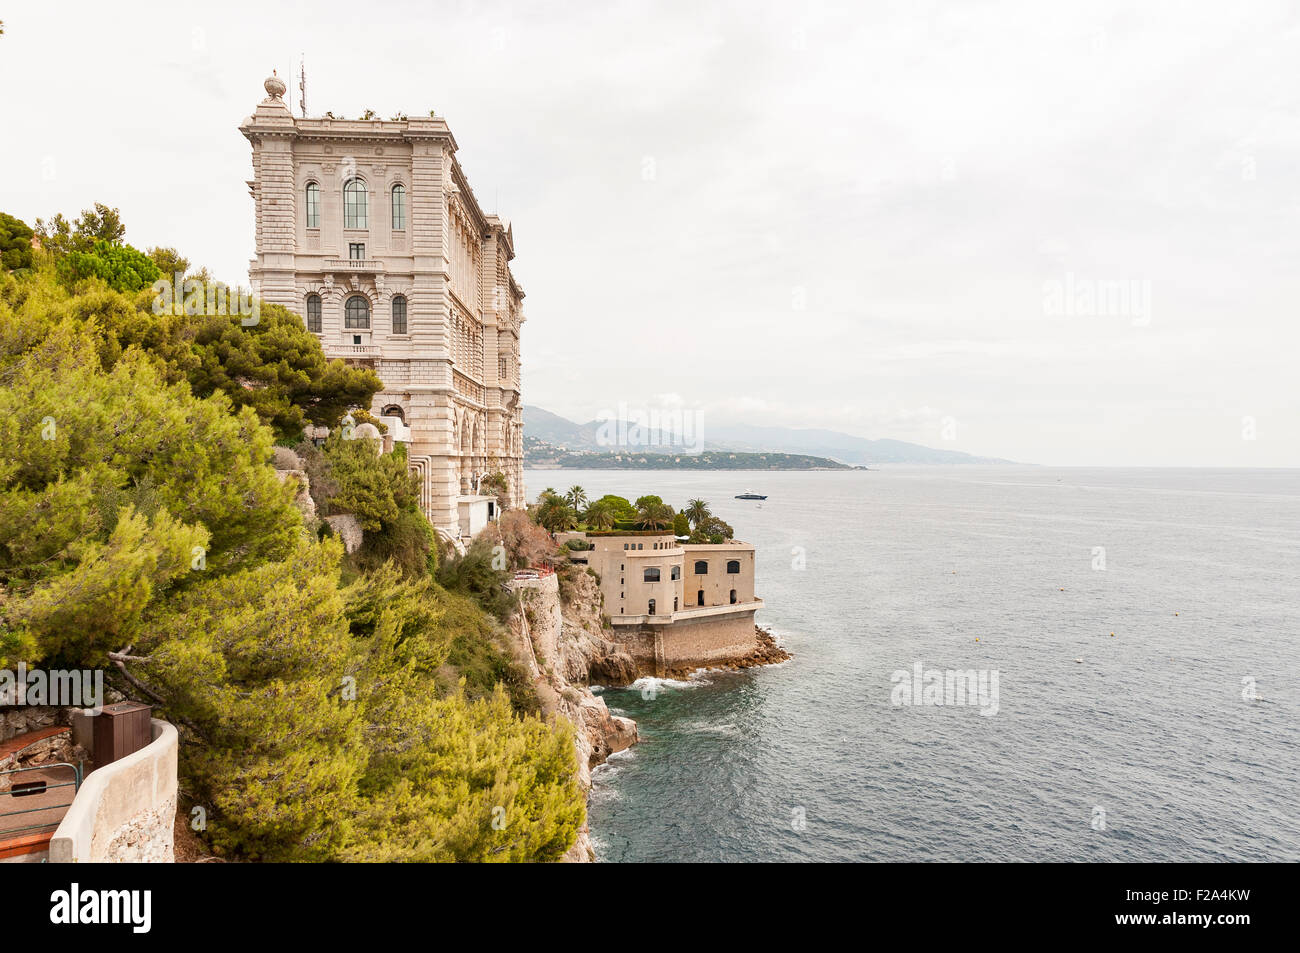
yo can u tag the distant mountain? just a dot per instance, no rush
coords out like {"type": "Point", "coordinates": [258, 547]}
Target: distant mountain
{"type": "Point", "coordinates": [557, 431]}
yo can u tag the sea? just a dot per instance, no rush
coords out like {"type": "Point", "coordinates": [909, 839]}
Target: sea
{"type": "Point", "coordinates": [989, 664]}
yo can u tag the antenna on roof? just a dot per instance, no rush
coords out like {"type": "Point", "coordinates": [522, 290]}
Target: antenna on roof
{"type": "Point", "coordinates": [302, 86]}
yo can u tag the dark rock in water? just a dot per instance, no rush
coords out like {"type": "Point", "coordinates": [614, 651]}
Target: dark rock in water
{"type": "Point", "coordinates": [617, 668]}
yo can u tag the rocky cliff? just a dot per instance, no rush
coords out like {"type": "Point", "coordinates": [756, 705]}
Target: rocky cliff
{"type": "Point", "coordinates": [560, 642]}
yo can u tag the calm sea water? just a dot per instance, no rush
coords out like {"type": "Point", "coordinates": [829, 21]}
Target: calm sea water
{"type": "Point", "coordinates": [810, 760]}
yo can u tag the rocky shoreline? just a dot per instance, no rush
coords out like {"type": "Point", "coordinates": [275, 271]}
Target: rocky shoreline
{"type": "Point", "coordinates": [562, 643]}
{"type": "Point", "coordinates": [768, 652]}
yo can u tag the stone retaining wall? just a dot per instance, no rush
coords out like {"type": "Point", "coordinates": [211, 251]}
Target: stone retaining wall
{"type": "Point", "coordinates": [124, 812]}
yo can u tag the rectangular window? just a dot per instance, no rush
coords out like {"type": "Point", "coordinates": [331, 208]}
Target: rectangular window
{"type": "Point", "coordinates": [313, 314]}
{"type": "Point", "coordinates": [357, 251]}
{"type": "Point", "coordinates": [399, 208]}
{"type": "Point", "coordinates": [313, 206]}
{"type": "Point", "coordinates": [354, 205]}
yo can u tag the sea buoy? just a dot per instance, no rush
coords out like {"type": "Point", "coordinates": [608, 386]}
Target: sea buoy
{"type": "Point", "coordinates": [1079, 660]}
{"type": "Point", "coordinates": [977, 639]}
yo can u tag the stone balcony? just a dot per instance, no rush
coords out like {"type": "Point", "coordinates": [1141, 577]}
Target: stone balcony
{"type": "Point", "coordinates": [353, 265]}
{"type": "Point", "coordinates": [352, 351]}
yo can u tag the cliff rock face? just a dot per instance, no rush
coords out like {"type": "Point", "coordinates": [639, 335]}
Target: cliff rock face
{"type": "Point", "coordinates": [562, 647]}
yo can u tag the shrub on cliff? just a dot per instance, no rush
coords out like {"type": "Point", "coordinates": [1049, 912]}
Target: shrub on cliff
{"type": "Point", "coordinates": [348, 476]}
{"type": "Point", "coordinates": [526, 544]}
{"type": "Point", "coordinates": [121, 267]}
{"type": "Point", "coordinates": [480, 573]}
{"type": "Point", "coordinates": [15, 243]}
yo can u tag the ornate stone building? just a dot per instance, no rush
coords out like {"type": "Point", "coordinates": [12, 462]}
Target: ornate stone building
{"type": "Point", "coordinates": [369, 230]}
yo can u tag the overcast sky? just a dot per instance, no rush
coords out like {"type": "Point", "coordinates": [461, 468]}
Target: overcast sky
{"type": "Point", "coordinates": [1063, 233]}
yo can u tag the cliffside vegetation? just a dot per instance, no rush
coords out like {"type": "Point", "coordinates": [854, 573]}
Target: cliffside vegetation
{"type": "Point", "coordinates": [331, 707]}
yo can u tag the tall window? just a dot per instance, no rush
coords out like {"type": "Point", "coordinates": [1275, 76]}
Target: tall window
{"type": "Point", "coordinates": [313, 205]}
{"type": "Point", "coordinates": [357, 250]}
{"type": "Point", "coordinates": [399, 207]}
{"type": "Point", "coordinates": [677, 572]}
{"type": "Point", "coordinates": [354, 204]}
{"type": "Point", "coordinates": [356, 313]}
{"type": "Point", "coordinates": [313, 314]}
{"type": "Point", "coordinates": [399, 314]}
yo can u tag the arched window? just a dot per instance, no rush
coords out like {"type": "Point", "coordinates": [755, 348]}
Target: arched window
{"type": "Point", "coordinates": [733, 597]}
{"type": "Point", "coordinates": [652, 607]}
{"type": "Point", "coordinates": [399, 208]}
{"type": "Point", "coordinates": [701, 567]}
{"type": "Point", "coordinates": [399, 314]}
{"type": "Point", "coordinates": [651, 575]}
{"type": "Point", "coordinates": [313, 205]}
{"type": "Point", "coordinates": [674, 603]}
{"type": "Point", "coordinates": [699, 598]}
{"type": "Point", "coordinates": [676, 573]}
{"type": "Point", "coordinates": [354, 204]}
{"type": "Point", "coordinates": [313, 314]}
{"type": "Point", "coordinates": [393, 410]}
{"type": "Point", "coordinates": [356, 313]}
{"type": "Point", "coordinates": [733, 565]}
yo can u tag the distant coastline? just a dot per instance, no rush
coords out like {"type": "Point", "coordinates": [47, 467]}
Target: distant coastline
{"type": "Point", "coordinates": [541, 459]}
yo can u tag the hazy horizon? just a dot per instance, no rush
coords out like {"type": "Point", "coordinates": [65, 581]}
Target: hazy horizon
{"type": "Point", "coordinates": [1061, 236]}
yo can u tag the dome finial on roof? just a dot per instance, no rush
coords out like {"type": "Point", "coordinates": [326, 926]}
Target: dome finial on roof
{"type": "Point", "coordinates": [274, 86]}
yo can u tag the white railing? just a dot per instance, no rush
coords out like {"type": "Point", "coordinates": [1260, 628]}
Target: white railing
{"type": "Point", "coordinates": [354, 264]}
{"type": "Point", "coordinates": [351, 350]}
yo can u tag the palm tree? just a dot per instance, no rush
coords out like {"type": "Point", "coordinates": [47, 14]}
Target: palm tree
{"type": "Point", "coordinates": [556, 515]}
{"type": "Point", "coordinates": [600, 515]}
{"type": "Point", "coordinates": [655, 515]}
{"type": "Point", "coordinates": [577, 498]}
{"type": "Point", "coordinates": [697, 511]}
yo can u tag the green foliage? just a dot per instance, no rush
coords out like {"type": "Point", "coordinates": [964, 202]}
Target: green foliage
{"type": "Point", "coordinates": [169, 262]}
{"type": "Point", "coordinates": [92, 226]}
{"type": "Point", "coordinates": [599, 515]}
{"type": "Point", "coordinates": [121, 267]}
{"type": "Point", "coordinates": [623, 510]}
{"type": "Point", "coordinates": [697, 511]}
{"type": "Point", "coordinates": [82, 445]}
{"type": "Point", "coordinates": [576, 498]}
{"type": "Point", "coordinates": [481, 574]}
{"type": "Point", "coordinates": [498, 485]}
{"type": "Point", "coordinates": [15, 243]}
{"type": "Point", "coordinates": [349, 476]}
{"type": "Point", "coordinates": [681, 525]}
{"type": "Point", "coordinates": [654, 513]}
{"type": "Point", "coordinates": [470, 782]}
{"type": "Point", "coordinates": [712, 530]}
{"type": "Point", "coordinates": [276, 367]}
{"type": "Point", "coordinates": [372, 486]}
{"type": "Point", "coordinates": [476, 660]}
